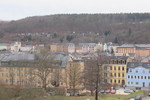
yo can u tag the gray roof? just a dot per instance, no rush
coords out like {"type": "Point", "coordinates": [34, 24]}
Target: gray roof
{"type": "Point", "coordinates": [136, 45]}
{"type": "Point", "coordinates": [119, 57]}
{"type": "Point", "coordinates": [17, 56]}
{"type": "Point", "coordinates": [63, 58]}
{"type": "Point", "coordinates": [138, 64]}
{"type": "Point", "coordinates": [87, 44]}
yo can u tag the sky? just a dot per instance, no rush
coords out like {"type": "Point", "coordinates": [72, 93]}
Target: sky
{"type": "Point", "coordinates": [18, 9]}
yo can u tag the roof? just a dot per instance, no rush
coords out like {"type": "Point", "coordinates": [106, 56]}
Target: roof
{"type": "Point", "coordinates": [135, 45]}
{"type": "Point", "coordinates": [17, 56]}
{"type": "Point", "coordinates": [138, 64]}
{"type": "Point", "coordinates": [87, 44]}
{"type": "Point", "coordinates": [118, 57]}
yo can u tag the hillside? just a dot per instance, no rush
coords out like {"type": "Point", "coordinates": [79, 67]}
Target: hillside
{"type": "Point", "coordinates": [121, 28]}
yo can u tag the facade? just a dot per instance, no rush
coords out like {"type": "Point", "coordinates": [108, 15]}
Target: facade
{"type": "Point", "coordinates": [138, 75]}
{"type": "Point", "coordinates": [69, 47]}
{"type": "Point", "coordinates": [21, 69]}
{"type": "Point", "coordinates": [15, 46]}
{"type": "Point", "coordinates": [138, 49]}
{"type": "Point", "coordinates": [88, 47]}
{"type": "Point", "coordinates": [117, 70]}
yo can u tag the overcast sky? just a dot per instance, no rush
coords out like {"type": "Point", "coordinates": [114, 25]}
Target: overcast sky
{"type": "Point", "coordinates": [17, 9]}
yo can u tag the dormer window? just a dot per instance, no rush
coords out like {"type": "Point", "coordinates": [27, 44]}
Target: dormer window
{"type": "Point", "coordinates": [143, 71]}
{"type": "Point", "coordinates": [130, 70]}
{"type": "Point", "coordinates": [136, 71]}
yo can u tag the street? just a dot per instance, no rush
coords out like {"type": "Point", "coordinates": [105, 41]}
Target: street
{"type": "Point", "coordinates": [146, 98]}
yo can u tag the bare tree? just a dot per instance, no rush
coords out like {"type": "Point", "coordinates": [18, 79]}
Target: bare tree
{"type": "Point", "coordinates": [44, 64]}
{"type": "Point", "coordinates": [95, 74]}
{"type": "Point", "coordinates": [74, 74]}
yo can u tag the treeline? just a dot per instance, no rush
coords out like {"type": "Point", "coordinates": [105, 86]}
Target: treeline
{"type": "Point", "coordinates": [128, 27]}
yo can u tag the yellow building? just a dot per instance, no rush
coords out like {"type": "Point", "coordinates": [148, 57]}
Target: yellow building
{"type": "Point", "coordinates": [29, 73]}
{"type": "Point", "coordinates": [117, 70]}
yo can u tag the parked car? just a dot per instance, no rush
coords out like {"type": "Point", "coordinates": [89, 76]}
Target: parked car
{"type": "Point", "coordinates": [102, 91]}
{"type": "Point", "coordinates": [107, 91]}
{"type": "Point", "coordinates": [113, 91]}
{"type": "Point", "coordinates": [128, 91]}
{"type": "Point", "coordinates": [138, 98]}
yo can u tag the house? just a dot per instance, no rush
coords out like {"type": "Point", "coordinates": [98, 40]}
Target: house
{"type": "Point", "coordinates": [87, 47]}
{"type": "Point", "coordinates": [117, 70]}
{"type": "Point", "coordinates": [138, 74]}
{"type": "Point", "coordinates": [15, 46]}
{"type": "Point", "coordinates": [138, 49]}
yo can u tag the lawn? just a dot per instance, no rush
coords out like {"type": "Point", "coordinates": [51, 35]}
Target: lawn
{"type": "Point", "coordinates": [102, 97]}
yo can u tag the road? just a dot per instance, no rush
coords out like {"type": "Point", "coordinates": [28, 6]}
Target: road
{"type": "Point", "coordinates": [146, 98]}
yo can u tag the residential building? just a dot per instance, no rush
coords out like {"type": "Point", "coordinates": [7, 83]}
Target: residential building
{"type": "Point", "coordinates": [138, 74]}
{"type": "Point", "coordinates": [137, 49]}
{"type": "Point", "coordinates": [88, 47]}
{"type": "Point", "coordinates": [117, 70]}
{"type": "Point", "coordinates": [15, 46]}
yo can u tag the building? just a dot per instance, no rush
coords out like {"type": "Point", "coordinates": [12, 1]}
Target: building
{"type": "Point", "coordinates": [56, 47]}
{"type": "Point", "coordinates": [23, 69]}
{"type": "Point", "coordinates": [117, 70]}
{"type": "Point", "coordinates": [15, 46]}
{"type": "Point", "coordinates": [87, 47]}
{"type": "Point", "coordinates": [138, 75]}
{"type": "Point", "coordinates": [137, 49]}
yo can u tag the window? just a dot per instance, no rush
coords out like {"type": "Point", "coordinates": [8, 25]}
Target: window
{"type": "Point", "coordinates": [111, 81]}
{"type": "Point", "coordinates": [123, 68]}
{"type": "Point", "coordinates": [135, 77]}
{"type": "Point", "coordinates": [141, 77]}
{"type": "Point", "coordinates": [111, 75]}
{"type": "Point", "coordinates": [114, 68]}
{"type": "Point", "coordinates": [115, 74]}
{"type": "Point", "coordinates": [131, 76]}
{"type": "Point", "coordinates": [118, 81]}
{"type": "Point", "coordinates": [119, 68]}
{"type": "Point", "coordinates": [110, 68]}
{"type": "Point", "coordinates": [130, 70]}
{"type": "Point", "coordinates": [145, 77]}
{"type": "Point", "coordinates": [115, 81]}
{"type": "Point", "coordinates": [131, 82]}
{"type": "Point", "coordinates": [128, 82]}
{"type": "Point", "coordinates": [148, 77]}
{"type": "Point", "coordinates": [138, 77]}
{"type": "Point", "coordinates": [137, 83]}
{"type": "Point", "coordinates": [149, 71]}
{"type": "Point", "coordinates": [143, 71]}
{"type": "Point", "coordinates": [123, 75]}
{"type": "Point", "coordinates": [118, 74]}
{"type": "Point", "coordinates": [136, 71]}
{"type": "Point", "coordinates": [128, 76]}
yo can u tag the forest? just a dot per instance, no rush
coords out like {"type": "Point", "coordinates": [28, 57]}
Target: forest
{"type": "Point", "coordinates": [118, 28]}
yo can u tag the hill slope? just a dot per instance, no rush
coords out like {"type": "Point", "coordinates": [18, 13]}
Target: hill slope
{"type": "Point", "coordinates": [134, 28]}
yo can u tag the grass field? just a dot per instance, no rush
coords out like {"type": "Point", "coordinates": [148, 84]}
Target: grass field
{"type": "Point", "coordinates": [102, 97]}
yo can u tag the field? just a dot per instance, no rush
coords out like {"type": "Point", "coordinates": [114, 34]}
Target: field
{"type": "Point", "coordinates": [101, 97]}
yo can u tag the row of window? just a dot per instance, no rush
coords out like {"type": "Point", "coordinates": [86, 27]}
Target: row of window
{"type": "Point", "coordinates": [119, 75]}
{"type": "Point", "coordinates": [117, 81]}
{"type": "Point", "coordinates": [138, 71]}
{"type": "Point", "coordinates": [119, 68]}
{"type": "Point", "coordinates": [138, 77]}
{"type": "Point", "coordinates": [137, 83]}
